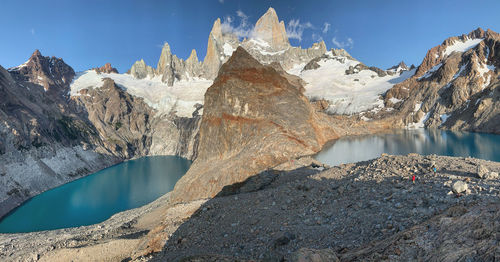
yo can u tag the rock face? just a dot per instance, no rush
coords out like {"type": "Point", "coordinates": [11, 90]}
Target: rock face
{"type": "Point", "coordinates": [254, 118]}
{"type": "Point", "coordinates": [129, 128]}
{"type": "Point", "coordinates": [140, 70]}
{"type": "Point", "coordinates": [219, 47]}
{"type": "Point", "coordinates": [271, 30]}
{"type": "Point", "coordinates": [51, 73]}
{"type": "Point", "coordinates": [107, 68]}
{"type": "Point", "coordinates": [455, 87]}
{"type": "Point", "coordinates": [44, 142]}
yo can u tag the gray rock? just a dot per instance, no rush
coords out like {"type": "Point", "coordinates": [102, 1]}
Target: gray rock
{"type": "Point", "coordinates": [459, 187]}
{"type": "Point", "coordinates": [482, 171]}
{"type": "Point", "coordinates": [314, 255]}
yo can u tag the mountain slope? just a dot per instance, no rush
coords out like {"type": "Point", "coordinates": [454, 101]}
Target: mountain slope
{"type": "Point", "coordinates": [455, 87]}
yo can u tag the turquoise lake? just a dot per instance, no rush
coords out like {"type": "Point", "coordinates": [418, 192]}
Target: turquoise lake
{"type": "Point", "coordinates": [97, 197]}
{"type": "Point", "coordinates": [402, 142]}
{"type": "Point", "coordinates": [134, 183]}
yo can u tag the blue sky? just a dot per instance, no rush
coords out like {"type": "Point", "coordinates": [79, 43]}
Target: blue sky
{"type": "Point", "coordinates": [90, 33]}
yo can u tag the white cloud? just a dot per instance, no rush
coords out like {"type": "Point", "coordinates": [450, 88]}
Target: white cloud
{"type": "Point", "coordinates": [32, 31]}
{"type": "Point", "coordinates": [326, 27]}
{"type": "Point", "coordinates": [295, 29]}
{"type": "Point", "coordinates": [242, 30]}
{"type": "Point", "coordinates": [316, 37]}
{"type": "Point", "coordinates": [349, 43]}
{"type": "Point", "coordinates": [221, 1]}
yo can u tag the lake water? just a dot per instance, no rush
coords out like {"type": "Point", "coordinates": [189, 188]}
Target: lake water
{"type": "Point", "coordinates": [97, 197]}
{"type": "Point", "coordinates": [421, 141]}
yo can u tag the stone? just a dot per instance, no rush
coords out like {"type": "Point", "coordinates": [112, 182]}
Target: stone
{"type": "Point", "coordinates": [482, 171]}
{"type": "Point", "coordinates": [314, 255]}
{"type": "Point", "coordinates": [491, 175]}
{"type": "Point", "coordinates": [459, 187]}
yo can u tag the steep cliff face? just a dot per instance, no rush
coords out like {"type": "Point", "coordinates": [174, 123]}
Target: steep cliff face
{"type": "Point", "coordinates": [455, 87]}
{"type": "Point", "coordinates": [271, 30]}
{"type": "Point", "coordinates": [254, 118]}
{"type": "Point", "coordinates": [43, 141]}
{"type": "Point", "coordinates": [129, 128]}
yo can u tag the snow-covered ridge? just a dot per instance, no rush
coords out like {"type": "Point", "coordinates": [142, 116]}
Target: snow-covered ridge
{"type": "Point", "coordinates": [181, 97]}
{"type": "Point", "coordinates": [459, 46]}
{"type": "Point", "coordinates": [347, 94]}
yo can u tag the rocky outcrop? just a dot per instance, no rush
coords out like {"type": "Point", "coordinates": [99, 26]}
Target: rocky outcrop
{"type": "Point", "coordinates": [140, 70]}
{"type": "Point", "coordinates": [399, 67]}
{"type": "Point", "coordinates": [107, 68]}
{"type": "Point", "coordinates": [50, 72]}
{"type": "Point", "coordinates": [254, 118]}
{"type": "Point", "coordinates": [454, 88]}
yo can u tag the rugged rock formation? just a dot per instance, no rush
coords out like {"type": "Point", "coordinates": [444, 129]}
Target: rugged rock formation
{"type": "Point", "coordinates": [140, 70]}
{"type": "Point", "coordinates": [268, 43]}
{"type": "Point", "coordinates": [48, 139]}
{"type": "Point", "coordinates": [107, 68]}
{"type": "Point", "coordinates": [43, 142]}
{"type": "Point", "coordinates": [399, 67]}
{"type": "Point", "coordinates": [271, 30]}
{"type": "Point", "coordinates": [455, 87]}
{"type": "Point", "coordinates": [219, 47]}
{"type": "Point", "coordinates": [51, 73]}
{"type": "Point", "coordinates": [129, 128]}
{"type": "Point", "coordinates": [254, 118]}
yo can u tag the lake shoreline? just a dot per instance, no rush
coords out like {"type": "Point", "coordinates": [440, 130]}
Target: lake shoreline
{"type": "Point", "coordinates": [171, 226]}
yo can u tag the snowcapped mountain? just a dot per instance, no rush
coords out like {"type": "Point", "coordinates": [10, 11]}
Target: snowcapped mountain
{"type": "Point", "coordinates": [455, 87]}
{"type": "Point", "coordinates": [346, 84]}
{"type": "Point", "coordinates": [178, 86]}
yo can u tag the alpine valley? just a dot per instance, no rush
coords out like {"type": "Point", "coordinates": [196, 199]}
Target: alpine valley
{"type": "Point", "coordinates": [250, 115]}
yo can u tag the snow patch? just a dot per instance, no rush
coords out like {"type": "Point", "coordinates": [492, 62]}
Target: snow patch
{"type": "Point", "coordinates": [346, 94]}
{"type": "Point", "coordinates": [444, 117]}
{"type": "Point", "coordinates": [431, 71]}
{"type": "Point", "coordinates": [181, 97]}
{"type": "Point", "coordinates": [228, 49]}
{"type": "Point", "coordinates": [417, 107]}
{"type": "Point", "coordinates": [459, 46]}
{"type": "Point", "coordinates": [395, 100]}
{"type": "Point", "coordinates": [420, 123]}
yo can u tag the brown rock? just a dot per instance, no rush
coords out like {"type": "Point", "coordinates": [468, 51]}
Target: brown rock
{"type": "Point", "coordinates": [107, 68]}
{"type": "Point", "coordinates": [254, 118]}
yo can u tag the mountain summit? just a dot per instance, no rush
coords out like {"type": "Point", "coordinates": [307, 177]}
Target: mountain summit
{"type": "Point", "coordinates": [271, 30]}
{"type": "Point", "coordinates": [268, 43]}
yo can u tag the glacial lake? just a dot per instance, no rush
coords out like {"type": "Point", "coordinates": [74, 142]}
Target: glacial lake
{"type": "Point", "coordinates": [134, 183]}
{"type": "Point", "coordinates": [95, 198]}
{"type": "Point", "coordinates": [422, 141]}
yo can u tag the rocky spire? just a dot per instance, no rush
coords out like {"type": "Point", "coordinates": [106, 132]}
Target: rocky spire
{"type": "Point", "coordinates": [193, 58]}
{"type": "Point", "coordinates": [211, 63]}
{"type": "Point", "coordinates": [140, 70]}
{"type": "Point", "coordinates": [269, 29]}
{"type": "Point", "coordinates": [165, 66]}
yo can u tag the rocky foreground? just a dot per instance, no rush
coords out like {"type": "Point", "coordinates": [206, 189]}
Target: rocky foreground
{"type": "Point", "coordinates": [369, 210]}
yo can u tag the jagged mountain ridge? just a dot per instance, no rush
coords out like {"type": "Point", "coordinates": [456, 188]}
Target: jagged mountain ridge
{"type": "Point", "coordinates": [455, 87]}
{"type": "Point", "coordinates": [268, 43]}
